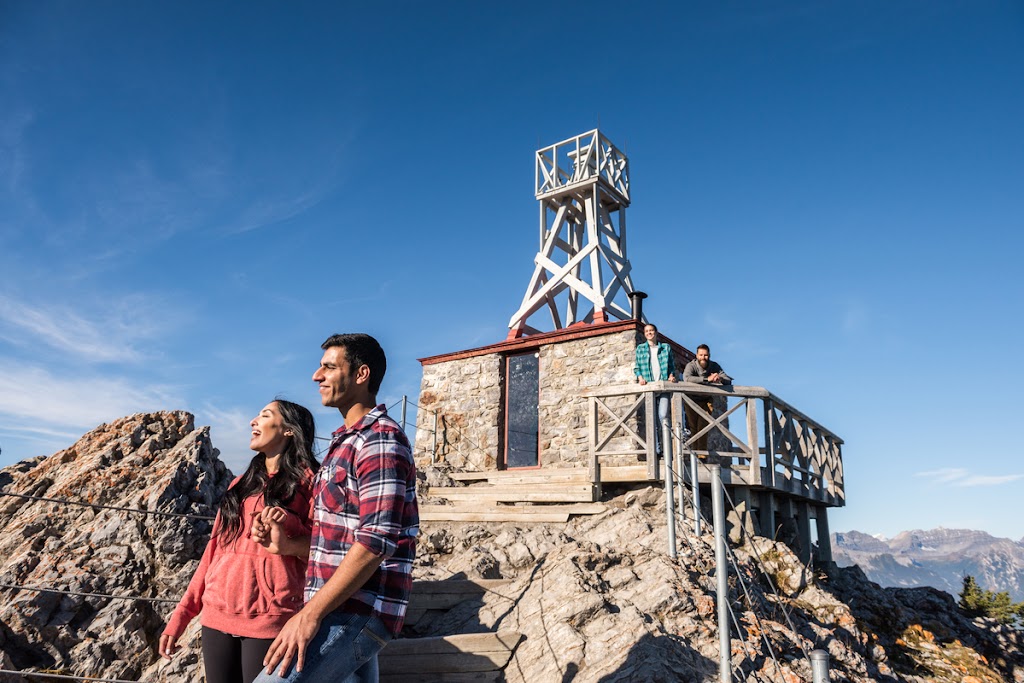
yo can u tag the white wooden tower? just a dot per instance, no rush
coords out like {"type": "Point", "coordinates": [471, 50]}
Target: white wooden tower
{"type": "Point", "coordinates": [582, 185]}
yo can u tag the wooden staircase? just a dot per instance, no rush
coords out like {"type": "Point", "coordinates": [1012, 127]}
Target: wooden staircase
{"type": "Point", "coordinates": [543, 495]}
{"type": "Point", "coordinates": [479, 657]}
{"type": "Point", "coordinates": [532, 496]}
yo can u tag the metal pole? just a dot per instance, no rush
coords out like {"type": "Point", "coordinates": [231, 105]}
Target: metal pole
{"type": "Point", "coordinates": [670, 508]}
{"type": "Point", "coordinates": [695, 480]}
{"type": "Point", "coordinates": [722, 574]}
{"type": "Point", "coordinates": [405, 405]}
{"type": "Point", "coordinates": [681, 480]}
{"type": "Point", "coordinates": [819, 666]}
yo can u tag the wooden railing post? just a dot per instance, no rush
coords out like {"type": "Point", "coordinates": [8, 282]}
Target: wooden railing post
{"type": "Point", "coordinates": [755, 449]}
{"type": "Point", "coordinates": [789, 454]}
{"type": "Point", "coordinates": [769, 441]}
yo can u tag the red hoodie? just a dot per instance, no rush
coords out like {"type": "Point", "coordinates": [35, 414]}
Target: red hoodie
{"type": "Point", "coordinates": [242, 589]}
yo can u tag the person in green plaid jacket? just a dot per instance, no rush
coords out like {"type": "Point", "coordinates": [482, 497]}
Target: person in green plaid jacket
{"type": "Point", "coordinates": [654, 362]}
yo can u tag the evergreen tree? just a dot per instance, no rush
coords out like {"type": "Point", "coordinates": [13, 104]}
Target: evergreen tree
{"type": "Point", "coordinates": [979, 602]}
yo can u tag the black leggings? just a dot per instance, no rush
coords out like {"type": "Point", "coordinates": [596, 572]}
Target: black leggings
{"type": "Point", "coordinates": [232, 659]}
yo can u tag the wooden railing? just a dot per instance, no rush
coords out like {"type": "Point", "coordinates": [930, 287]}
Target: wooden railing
{"type": "Point", "coordinates": [776, 447]}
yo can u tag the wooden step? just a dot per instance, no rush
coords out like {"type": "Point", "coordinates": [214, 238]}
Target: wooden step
{"type": "Point", "coordinates": [609, 473]}
{"type": "Point", "coordinates": [470, 476]}
{"type": "Point", "coordinates": [484, 511]}
{"type": "Point", "coordinates": [624, 473]}
{"type": "Point", "coordinates": [405, 658]}
{"type": "Point", "coordinates": [451, 514]}
{"type": "Point", "coordinates": [468, 677]}
{"type": "Point", "coordinates": [533, 493]}
{"type": "Point", "coordinates": [541, 476]}
{"type": "Point", "coordinates": [450, 592]}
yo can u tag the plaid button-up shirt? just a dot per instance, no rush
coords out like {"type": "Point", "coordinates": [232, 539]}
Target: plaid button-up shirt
{"type": "Point", "coordinates": [365, 492]}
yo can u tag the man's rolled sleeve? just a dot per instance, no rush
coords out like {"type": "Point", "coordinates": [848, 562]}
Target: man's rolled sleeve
{"type": "Point", "coordinates": [382, 472]}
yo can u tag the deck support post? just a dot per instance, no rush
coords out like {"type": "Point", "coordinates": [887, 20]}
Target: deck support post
{"type": "Point", "coordinates": [824, 540]}
{"type": "Point", "coordinates": [803, 529]}
{"type": "Point", "coordinates": [670, 489]}
{"type": "Point", "coordinates": [722, 576]}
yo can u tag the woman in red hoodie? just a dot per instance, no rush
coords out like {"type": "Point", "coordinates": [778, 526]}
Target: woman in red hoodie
{"type": "Point", "coordinates": [245, 593]}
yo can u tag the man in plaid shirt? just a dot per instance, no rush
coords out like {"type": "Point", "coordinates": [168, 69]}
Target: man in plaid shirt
{"type": "Point", "coordinates": [365, 522]}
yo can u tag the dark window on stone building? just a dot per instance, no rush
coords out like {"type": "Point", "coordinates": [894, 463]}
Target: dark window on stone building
{"type": "Point", "coordinates": [522, 388]}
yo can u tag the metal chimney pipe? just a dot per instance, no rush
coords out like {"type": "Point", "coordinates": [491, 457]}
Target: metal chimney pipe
{"type": "Point", "coordinates": [637, 301]}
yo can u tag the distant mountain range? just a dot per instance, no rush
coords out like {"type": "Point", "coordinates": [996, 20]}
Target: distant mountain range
{"type": "Point", "coordinates": [939, 558]}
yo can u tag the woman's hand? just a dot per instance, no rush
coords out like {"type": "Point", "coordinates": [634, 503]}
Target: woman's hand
{"type": "Point", "coordinates": [168, 645]}
{"type": "Point", "coordinates": [268, 530]}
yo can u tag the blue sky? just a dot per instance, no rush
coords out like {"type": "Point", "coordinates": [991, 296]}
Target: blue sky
{"type": "Point", "coordinates": [831, 195]}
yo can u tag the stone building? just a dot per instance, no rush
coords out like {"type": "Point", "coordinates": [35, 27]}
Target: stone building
{"type": "Point", "coordinates": [559, 393]}
{"type": "Point", "coordinates": [520, 403]}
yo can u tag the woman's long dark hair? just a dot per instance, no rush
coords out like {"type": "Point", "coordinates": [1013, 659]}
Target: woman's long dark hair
{"type": "Point", "coordinates": [280, 489]}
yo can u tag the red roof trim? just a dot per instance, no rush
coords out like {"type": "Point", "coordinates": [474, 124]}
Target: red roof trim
{"type": "Point", "coordinates": [578, 331]}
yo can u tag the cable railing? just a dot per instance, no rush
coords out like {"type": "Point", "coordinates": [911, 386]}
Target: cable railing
{"type": "Point", "coordinates": [437, 449]}
{"type": "Point", "coordinates": [88, 594]}
{"type": "Point", "coordinates": [674, 472]}
{"type": "Point", "coordinates": [725, 557]}
{"type": "Point", "coordinates": [98, 506]}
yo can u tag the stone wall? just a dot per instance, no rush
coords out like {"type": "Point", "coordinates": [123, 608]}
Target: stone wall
{"type": "Point", "coordinates": [568, 369]}
{"type": "Point", "coordinates": [467, 393]}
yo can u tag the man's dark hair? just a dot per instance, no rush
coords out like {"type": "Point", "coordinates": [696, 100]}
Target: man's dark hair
{"type": "Point", "coordinates": [651, 325]}
{"type": "Point", "coordinates": [705, 347]}
{"type": "Point", "coordinates": [361, 349]}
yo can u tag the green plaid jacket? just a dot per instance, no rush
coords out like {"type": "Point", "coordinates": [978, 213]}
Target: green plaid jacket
{"type": "Point", "coordinates": [666, 359]}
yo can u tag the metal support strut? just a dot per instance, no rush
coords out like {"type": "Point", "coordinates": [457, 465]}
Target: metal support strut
{"type": "Point", "coordinates": [670, 509]}
{"type": "Point", "coordinates": [722, 575]}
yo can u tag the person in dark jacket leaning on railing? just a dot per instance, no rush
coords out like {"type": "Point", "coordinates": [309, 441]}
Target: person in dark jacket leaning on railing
{"type": "Point", "coordinates": [702, 370]}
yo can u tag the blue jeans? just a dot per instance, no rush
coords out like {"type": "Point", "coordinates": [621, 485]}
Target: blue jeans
{"type": "Point", "coordinates": [343, 650]}
{"type": "Point", "coordinates": [663, 404]}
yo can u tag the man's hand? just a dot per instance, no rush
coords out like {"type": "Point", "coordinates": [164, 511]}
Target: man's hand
{"type": "Point", "coordinates": [641, 380]}
{"type": "Point", "coordinates": [671, 378]}
{"type": "Point", "coordinates": [291, 643]}
{"type": "Point", "coordinates": [713, 377]}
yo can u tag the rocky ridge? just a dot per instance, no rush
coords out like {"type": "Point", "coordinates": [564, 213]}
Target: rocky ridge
{"type": "Point", "coordinates": [939, 558]}
{"type": "Point", "coordinates": [597, 599]}
{"type": "Point", "coordinates": [153, 462]}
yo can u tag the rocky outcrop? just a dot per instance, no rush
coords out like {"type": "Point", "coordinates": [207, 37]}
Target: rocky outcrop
{"type": "Point", "coordinates": [152, 462]}
{"type": "Point", "coordinates": [597, 599]}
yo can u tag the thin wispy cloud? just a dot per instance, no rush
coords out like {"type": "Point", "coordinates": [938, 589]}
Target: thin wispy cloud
{"type": "Point", "coordinates": [111, 336]}
{"type": "Point", "coordinates": [41, 433]}
{"type": "Point", "coordinates": [33, 398]}
{"type": "Point", "coordinates": [269, 212]}
{"type": "Point", "coordinates": [961, 477]}
{"type": "Point", "coordinates": [230, 433]}
{"type": "Point", "coordinates": [12, 158]}
{"type": "Point", "coordinates": [718, 323]}
{"type": "Point", "coordinates": [749, 348]}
